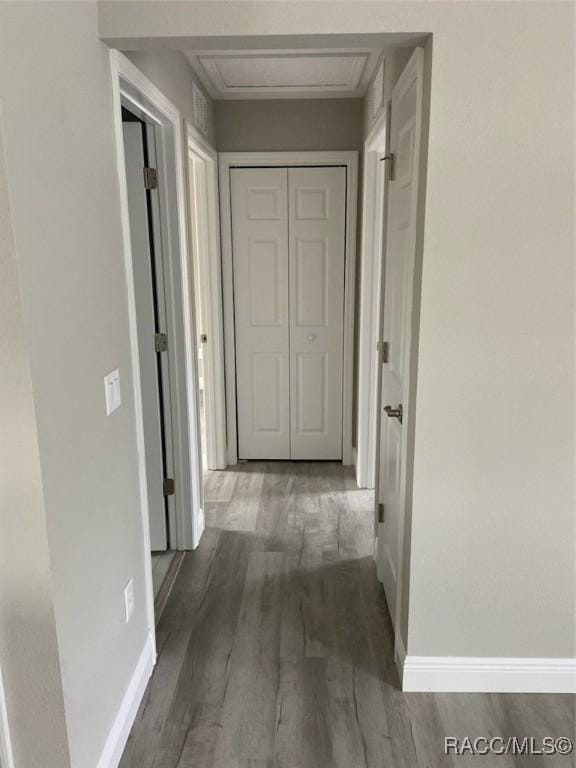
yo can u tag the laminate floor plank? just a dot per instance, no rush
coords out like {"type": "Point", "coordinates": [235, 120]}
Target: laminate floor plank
{"type": "Point", "coordinates": [144, 741]}
{"type": "Point", "coordinates": [240, 512]}
{"type": "Point", "coordinates": [219, 486]}
{"type": "Point", "coordinates": [276, 648]}
{"type": "Point", "coordinates": [249, 708]}
{"type": "Point", "coordinates": [303, 731]}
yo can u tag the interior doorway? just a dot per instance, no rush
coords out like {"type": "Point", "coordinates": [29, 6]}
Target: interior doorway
{"type": "Point", "coordinates": [141, 162]}
{"type": "Point", "coordinates": [151, 168]}
{"type": "Point", "coordinates": [145, 232]}
{"type": "Point", "coordinates": [266, 405]}
{"type": "Point", "coordinates": [207, 274]}
{"type": "Point", "coordinates": [288, 230]}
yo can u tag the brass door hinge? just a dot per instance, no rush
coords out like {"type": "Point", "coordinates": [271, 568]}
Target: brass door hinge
{"type": "Point", "coordinates": [380, 513]}
{"type": "Point", "coordinates": [168, 488]}
{"type": "Point", "coordinates": [150, 178]}
{"type": "Point", "coordinates": [160, 342]}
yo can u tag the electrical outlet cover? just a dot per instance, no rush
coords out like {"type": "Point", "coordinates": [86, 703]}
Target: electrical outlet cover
{"type": "Point", "coordinates": [112, 391]}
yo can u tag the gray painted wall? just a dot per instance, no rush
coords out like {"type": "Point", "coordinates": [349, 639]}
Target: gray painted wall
{"type": "Point", "coordinates": [493, 495]}
{"type": "Point", "coordinates": [493, 511]}
{"type": "Point", "coordinates": [29, 659]}
{"type": "Point", "coordinates": [288, 125]}
{"type": "Point", "coordinates": [172, 74]}
{"type": "Point", "coordinates": [56, 90]}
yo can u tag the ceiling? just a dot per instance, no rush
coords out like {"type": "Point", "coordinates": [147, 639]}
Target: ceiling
{"type": "Point", "coordinates": [285, 73]}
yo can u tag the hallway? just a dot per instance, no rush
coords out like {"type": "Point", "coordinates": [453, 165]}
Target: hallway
{"type": "Point", "coordinates": [275, 647]}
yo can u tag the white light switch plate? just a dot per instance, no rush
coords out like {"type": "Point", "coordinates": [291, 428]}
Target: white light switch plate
{"type": "Point", "coordinates": [129, 600]}
{"type": "Point", "coordinates": [112, 391]}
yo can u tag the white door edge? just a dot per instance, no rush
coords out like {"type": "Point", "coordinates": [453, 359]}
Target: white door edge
{"type": "Point", "coordinates": [199, 148]}
{"type": "Point", "coordinates": [371, 300]}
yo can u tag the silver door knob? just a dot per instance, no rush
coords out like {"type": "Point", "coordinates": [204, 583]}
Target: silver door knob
{"type": "Point", "coordinates": [394, 413]}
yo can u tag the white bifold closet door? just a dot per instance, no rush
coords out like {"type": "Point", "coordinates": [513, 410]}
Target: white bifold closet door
{"type": "Point", "coordinates": [288, 230]}
{"type": "Point", "coordinates": [260, 253]}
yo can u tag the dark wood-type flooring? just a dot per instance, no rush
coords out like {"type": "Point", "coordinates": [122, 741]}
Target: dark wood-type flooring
{"type": "Point", "coordinates": [275, 648]}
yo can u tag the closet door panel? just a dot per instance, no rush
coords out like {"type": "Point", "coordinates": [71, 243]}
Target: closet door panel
{"type": "Point", "coordinates": [316, 253]}
{"type": "Point", "coordinates": [260, 260]}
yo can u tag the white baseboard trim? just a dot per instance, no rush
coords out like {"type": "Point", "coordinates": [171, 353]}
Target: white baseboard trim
{"type": "Point", "coordinates": [118, 735]}
{"type": "Point", "coordinates": [459, 674]}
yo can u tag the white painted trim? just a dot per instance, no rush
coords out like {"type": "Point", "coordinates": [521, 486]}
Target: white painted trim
{"type": "Point", "coordinates": [131, 85]}
{"type": "Point", "coordinates": [215, 401]}
{"type": "Point", "coordinates": [461, 674]}
{"type": "Point", "coordinates": [133, 330]}
{"type": "Point", "coordinates": [371, 300]}
{"type": "Point", "coordinates": [6, 753]}
{"type": "Point", "coordinates": [192, 530]}
{"type": "Point", "coordinates": [349, 159]}
{"type": "Point", "coordinates": [413, 69]}
{"type": "Point", "coordinates": [199, 528]}
{"type": "Point", "coordinates": [214, 84]}
{"type": "Point", "coordinates": [126, 715]}
{"type": "Point", "coordinates": [399, 654]}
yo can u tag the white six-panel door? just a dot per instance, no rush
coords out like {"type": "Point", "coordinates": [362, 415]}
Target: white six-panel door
{"type": "Point", "coordinates": [405, 139]}
{"type": "Point", "coordinates": [317, 212]}
{"type": "Point", "coordinates": [260, 240]}
{"type": "Point", "coordinates": [288, 232]}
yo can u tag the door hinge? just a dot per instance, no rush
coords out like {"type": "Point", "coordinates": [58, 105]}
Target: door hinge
{"type": "Point", "coordinates": [168, 486]}
{"type": "Point", "coordinates": [204, 338]}
{"type": "Point", "coordinates": [390, 158]}
{"type": "Point", "coordinates": [384, 348]}
{"type": "Point", "coordinates": [150, 178]}
{"type": "Point", "coordinates": [160, 342]}
{"type": "Point", "coordinates": [380, 513]}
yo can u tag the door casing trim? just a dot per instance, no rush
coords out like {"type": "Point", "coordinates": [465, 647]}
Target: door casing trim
{"type": "Point", "coordinates": [348, 159]}
{"type": "Point", "coordinates": [200, 149]}
{"type": "Point", "coordinates": [131, 87]}
{"type": "Point", "coordinates": [374, 213]}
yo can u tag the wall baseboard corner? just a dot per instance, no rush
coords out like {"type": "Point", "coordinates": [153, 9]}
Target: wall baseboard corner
{"type": "Point", "coordinates": [459, 674]}
{"type": "Point", "coordinates": [399, 654]}
{"type": "Point", "coordinates": [126, 715]}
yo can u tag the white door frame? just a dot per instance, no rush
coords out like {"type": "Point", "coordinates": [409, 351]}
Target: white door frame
{"type": "Point", "coordinates": [413, 68]}
{"type": "Point", "coordinates": [132, 88]}
{"type": "Point", "coordinates": [228, 160]}
{"type": "Point", "coordinates": [6, 753]}
{"type": "Point", "coordinates": [371, 299]}
{"type": "Point", "coordinates": [215, 395]}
